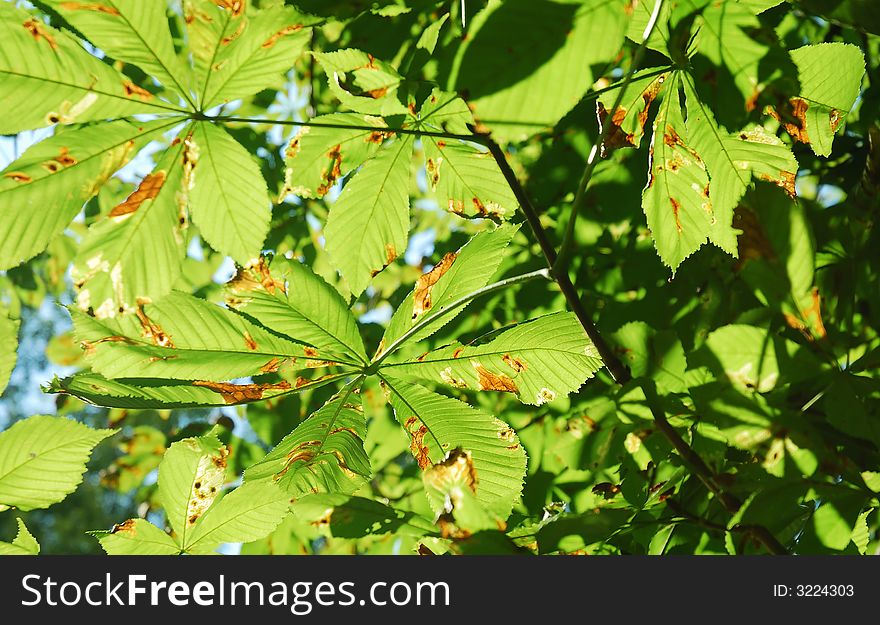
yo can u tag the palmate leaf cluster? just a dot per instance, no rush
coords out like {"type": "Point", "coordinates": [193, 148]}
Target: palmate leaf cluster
{"type": "Point", "coordinates": [296, 246]}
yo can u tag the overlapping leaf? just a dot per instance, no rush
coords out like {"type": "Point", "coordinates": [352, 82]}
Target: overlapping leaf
{"type": "Point", "coordinates": [24, 543]}
{"type": "Point", "coordinates": [49, 78]}
{"type": "Point", "coordinates": [732, 160]}
{"type": "Point", "coordinates": [44, 189]}
{"type": "Point", "coordinates": [676, 198]}
{"type": "Point", "coordinates": [306, 309]}
{"type": "Point", "coordinates": [185, 338]}
{"type": "Point", "coordinates": [134, 253]}
{"type": "Point", "coordinates": [437, 425]}
{"type": "Point", "coordinates": [539, 360]}
{"type": "Point", "coordinates": [368, 226]}
{"type": "Point", "coordinates": [325, 453]}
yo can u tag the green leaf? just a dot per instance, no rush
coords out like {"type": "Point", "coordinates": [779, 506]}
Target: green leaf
{"type": "Point", "coordinates": [132, 31]}
{"type": "Point", "coordinates": [369, 223]}
{"type": "Point", "coordinates": [428, 39]}
{"type": "Point", "coordinates": [512, 81]}
{"type": "Point", "coordinates": [137, 537]}
{"type": "Point", "coordinates": [725, 39]}
{"type": "Point", "coordinates": [318, 157]}
{"type": "Point", "coordinates": [44, 189]}
{"type": "Point", "coordinates": [325, 453]}
{"type": "Point", "coordinates": [306, 309]}
{"type": "Point", "coordinates": [228, 197]}
{"type": "Point", "coordinates": [437, 425]}
{"type": "Point", "coordinates": [143, 393]}
{"type": "Point", "coordinates": [182, 337]}
{"type": "Point", "coordinates": [451, 487]}
{"type": "Point", "coordinates": [24, 543]}
{"type": "Point", "coordinates": [539, 360]}
{"type": "Point", "coordinates": [190, 477]}
{"type": "Point", "coordinates": [361, 82]}
{"type": "Point", "coordinates": [466, 179]}
{"type": "Point", "coordinates": [676, 198]}
{"type": "Point", "coordinates": [754, 359]}
{"type": "Point", "coordinates": [248, 513]}
{"type": "Point", "coordinates": [49, 78]}
{"type": "Point", "coordinates": [42, 460]}
{"type": "Point", "coordinates": [249, 52]}
{"type": "Point", "coordinates": [830, 75]}
{"type": "Point", "coordinates": [135, 252]}
{"type": "Point", "coordinates": [354, 517]}
{"type": "Point", "coordinates": [629, 119]}
{"type": "Point", "coordinates": [454, 277]}
{"type": "Point", "coordinates": [571, 532]}
{"type": "Point", "coordinates": [732, 160]}
{"type": "Point", "coordinates": [8, 346]}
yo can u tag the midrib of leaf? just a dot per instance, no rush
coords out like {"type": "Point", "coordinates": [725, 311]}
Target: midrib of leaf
{"type": "Point", "coordinates": [229, 210]}
{"type": "Point", "coordinates": [375, 203]}
{"type": "Point", "coordinates": [414, 411]}
{"type": "Point", "coordinates": [209, 72]}
{"type": "Point", "coordinates": [208, 350]}
{"type": "Point", "coordinates": [168, 71]}
{"type": "Point", "coordinates": [348, 391]}
{"type": "Point", "coordinates": [66, 170]}
{"type": "Point", "coordinates": [36, 457]}
{"type": "Point", "coordinates": [715, 128]}
{"type": "Point", "coordinates": [224, 523]}
{"type": "Point", "coordinates": [501, 352]}
{"type": "Point", "coordinates": [167, 105]}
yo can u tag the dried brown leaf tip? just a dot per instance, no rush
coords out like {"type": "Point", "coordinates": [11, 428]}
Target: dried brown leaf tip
{"type": "Point", "coordinates": [89, 6]}
{"type": "Point", "coordinates": [417, 444]}
{"type": "Point", "coordinates": [39, 31]}
{"type": "Point", "coordinates": [126, 527]}
{"type": "Point", "coordinates": [793, 117]}
{"type": "Point", "coordinates": [425, 284]}
{"type": "Point", "coordinates": [147, 190]}
{"type": "Point", "coordinates": [132, 90]}
{"type": "Point", "coordinates": [238, 393]}
{"type": "Point", "coordinates": [489, 381]}
{"type": "Point", "coordinates": [152, 330]}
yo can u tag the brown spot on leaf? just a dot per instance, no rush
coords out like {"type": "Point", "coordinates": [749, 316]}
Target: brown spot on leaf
{"type": "Point", "coordinates": [418, 448]}
{"type": "Point", "coordinates": [272, 366]}
{"type": "Point", "coordinates": [676, 207]}
{"type": "Point", "coordinates": [378, 136]}
{"type": "Point", "coordinates": [456, 206]}
{"type": "Point", "coordinates": [18, 176]}
{"type": "Point", "coordinates": [249, 341]}
{"type": "Point", "coordinates": [606, 489]}
{"type": "Point", "coordinates": [432, 169]}
{"type": "Point", "coordinates": [237, 393]}
{"type": "Point", "coordinates": [490, 381]}
{"type": "Point", "coordinates": [514, 363]}
{"type": "Point", "coordinates": [234, 35]}
{"type": "Point", "coordinates": [39, 31]}
{"type": "Point", "coordinates": [64, 159]}
{"type": "Point", "coordinates": [310, 352]}
{"type": "Point", "coordinates": [334, 171]}
{"type": "Point", "coordinates": [381, 92]}
{"type": "Point", "coordinates": [132, 90]}
{"type": "Point", "coordinates": [425, 284]}
{"type": "Point", "coordinates": [89, 6]}
{"type": "Point", "coordinates": [287, 30]}
{"type": "Point", "coordinates": [617, 136]}
{"type": "Point", "coordinates": [786, 181]}
{"type": "Point", "coordinates": [147, 190]}
{"type": "Point", "coordinates": [303, 452]}
{"type": "Point", "coordinates": [235, 7]}
{"type": "Point", "coordinates": [793, 117]}
{"type": "Point", "coordinates": [151, 330]}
